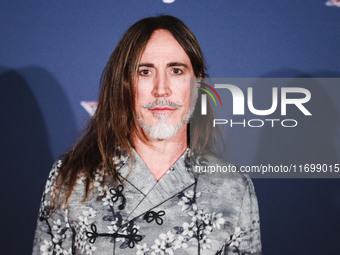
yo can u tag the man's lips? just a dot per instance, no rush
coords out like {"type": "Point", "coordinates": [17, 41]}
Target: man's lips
{"type": "Point", "coordinates": [162, 110]}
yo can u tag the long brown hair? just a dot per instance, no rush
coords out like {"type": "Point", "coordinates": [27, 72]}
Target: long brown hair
{"type": "Point", "coordinates": [113, 125]}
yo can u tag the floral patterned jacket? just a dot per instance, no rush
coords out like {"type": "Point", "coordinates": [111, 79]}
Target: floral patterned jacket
{"type": "Point", "coordinates": [185, 212]}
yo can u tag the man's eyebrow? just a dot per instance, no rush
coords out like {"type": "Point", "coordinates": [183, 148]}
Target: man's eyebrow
{"type": "Point", "coordinates": [177, 64]}
{"type": "Point", "coordinates": [146, 65]}
{"type": "Point", "coordinates": [168, 65]}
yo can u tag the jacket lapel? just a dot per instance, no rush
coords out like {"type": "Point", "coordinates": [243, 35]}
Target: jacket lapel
{"type": "Point", "coordinates": [144, 193]}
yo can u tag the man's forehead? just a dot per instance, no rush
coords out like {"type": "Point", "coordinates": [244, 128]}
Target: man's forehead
{"type": "Point", "coordinates": [162, 46]}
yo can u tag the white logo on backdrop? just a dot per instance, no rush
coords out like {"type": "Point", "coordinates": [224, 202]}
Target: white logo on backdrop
{"type": "Point", "coordinates": [89, 106]}
{"type": "Point", "coordinates": [335, 3]}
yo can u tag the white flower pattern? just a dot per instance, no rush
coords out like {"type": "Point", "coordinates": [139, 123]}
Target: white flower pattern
{"type": "Point", "coordinates": [200, 227]}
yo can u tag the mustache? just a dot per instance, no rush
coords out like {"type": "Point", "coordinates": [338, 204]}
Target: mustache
{"type": "Point", "coordinates": [161, 102]}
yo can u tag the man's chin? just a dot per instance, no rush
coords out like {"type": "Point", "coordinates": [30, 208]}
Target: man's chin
{"type": "Point", "coordinates": [161, 130]}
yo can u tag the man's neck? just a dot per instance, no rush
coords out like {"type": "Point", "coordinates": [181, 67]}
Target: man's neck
{"type": "Point", "coordinates": [160, 155]}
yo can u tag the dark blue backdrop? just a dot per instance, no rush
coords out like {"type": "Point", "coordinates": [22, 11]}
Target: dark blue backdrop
{"type": "Point", "coordinates": [52, 55]}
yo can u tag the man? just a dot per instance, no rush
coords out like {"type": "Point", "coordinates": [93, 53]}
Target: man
{"type": "Point", "coordinates": [128, 186]}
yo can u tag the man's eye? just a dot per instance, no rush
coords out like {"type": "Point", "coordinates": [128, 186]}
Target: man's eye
{"type": "Point", "coordinates": [145, 72]}
{"type": "Point", "coordinates": [177, 71]}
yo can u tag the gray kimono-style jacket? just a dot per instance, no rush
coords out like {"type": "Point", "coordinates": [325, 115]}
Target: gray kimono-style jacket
{"type": "Point", "coordinates": [185, 212]}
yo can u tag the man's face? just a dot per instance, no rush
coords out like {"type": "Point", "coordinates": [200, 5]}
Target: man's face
{"type": "Point", "coordinates": [163, 87]}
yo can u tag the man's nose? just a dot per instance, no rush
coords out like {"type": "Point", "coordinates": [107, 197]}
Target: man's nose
{"type": "Point", "coordinates": [162, 85]}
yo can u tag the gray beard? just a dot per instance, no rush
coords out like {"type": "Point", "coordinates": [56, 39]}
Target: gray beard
{"type": "Point", "coordinates": [163, 130]}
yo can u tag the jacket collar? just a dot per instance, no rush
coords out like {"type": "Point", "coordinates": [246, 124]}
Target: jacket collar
{"type": "Point", "coordinates": [144, 192]}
